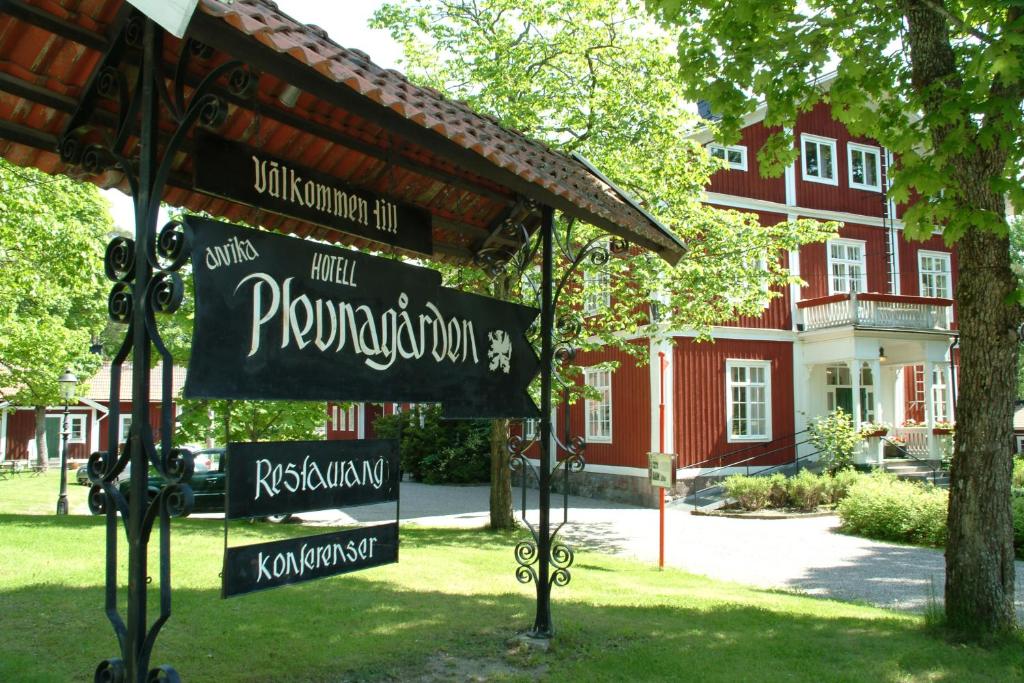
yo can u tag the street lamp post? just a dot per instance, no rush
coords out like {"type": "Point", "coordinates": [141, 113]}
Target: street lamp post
{"type": "Point", "coordinates": [67, 383]}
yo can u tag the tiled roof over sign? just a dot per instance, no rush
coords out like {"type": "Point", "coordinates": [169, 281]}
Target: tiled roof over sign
{"type": "Point", "coordinates": [321, 105]}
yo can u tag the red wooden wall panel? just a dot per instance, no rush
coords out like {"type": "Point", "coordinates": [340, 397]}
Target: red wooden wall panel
{"type": "Point", "coordinates": [699, 377]}
{"type": "Point", "coordinates": [840, 197]}
{"type": "Point", "coordinates": [631, 417]}
{"type": "Point", "coordinates": [750, 183]}
{"type": "Point", "coordinates": [814, 261]}
{"type": "Point", "coordinates": [778, 315]}
{"type": "Point", "coordinates": [21, 428]}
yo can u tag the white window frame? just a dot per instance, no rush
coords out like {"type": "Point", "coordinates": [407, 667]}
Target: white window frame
{"type": "Point", "coordinates": [740, 165]}
{"type": "Point", "coordinates": [124, 424]}
{"type": "Point", "coordinates": [531, 428]}
{"type": "Point", "coordinates": [852, 147]}
{"type": "Point", "coordinates": [730, 364]}
{"type": "Point", "coordinates": [940, 406]}
{"type": "Point", "coordinates": [863, 264]}
{"type": "Point", "coordinates": [76, 419]}
{"type": "Point", "coordinates": [819, 141]}
{"type": "Point", "coordinates": [590, 377]}
{"type": "Point", "coordinates": [921, 273]}
{"type": "Point", "coordinates": [597, 292]}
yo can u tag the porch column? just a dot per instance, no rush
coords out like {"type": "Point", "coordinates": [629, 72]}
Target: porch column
{"type": "Point", "coordinates": [947, 369]}
{"type": "Point", "coordinates": [929, 409]}
{"type": "Point", "coordinates": [876, 391]}
{"type": "Point", "coordinates": [855, 388]}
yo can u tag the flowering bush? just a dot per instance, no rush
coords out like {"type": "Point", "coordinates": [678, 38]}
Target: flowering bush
{"type": "Point", "coordinates": [836, 439]}
{"type": "Point", "coordinates": [874, 428]}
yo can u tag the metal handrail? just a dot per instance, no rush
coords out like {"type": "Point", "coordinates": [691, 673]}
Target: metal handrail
{"type": "Point", "coordinates": [904, 451]}
{"type": "Point", "coordinates": [761, 473]}
{"type": "Point", "coordinates": [747, 448]}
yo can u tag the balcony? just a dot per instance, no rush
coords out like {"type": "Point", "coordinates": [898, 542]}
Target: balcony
{"type": "Point", "coordinates": [877, 311]}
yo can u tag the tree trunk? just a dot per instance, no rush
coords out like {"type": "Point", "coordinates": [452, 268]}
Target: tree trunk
{"type": "Point", "coordinates": [501, 478]}
{"type": "Point", "coordinates": [979, 552]}
{"type": "Point", "coordinates": [42, 454]}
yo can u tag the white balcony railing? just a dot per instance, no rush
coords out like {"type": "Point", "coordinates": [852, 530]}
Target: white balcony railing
{"type": "Point", "coordinates": [888, 311]}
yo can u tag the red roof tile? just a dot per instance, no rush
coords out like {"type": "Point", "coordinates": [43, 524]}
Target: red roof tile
{"type": "Point", "coordinates": [466, 202]}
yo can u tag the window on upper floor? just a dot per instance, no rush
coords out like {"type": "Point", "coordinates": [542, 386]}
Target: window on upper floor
{"type": "Point", "coordinates": [933, 268]}
{"type": "Point", "coordinates": [748, 388]}
{"type": "Point", "coordinates": [819, 159]}
{"type": "Point", "coordinates": [865, 167]}
{"type": "Point", "coordinates": [734, 155]}
{"type": "Point", "coordinates": [598, 413]}
{"type": "Point", "coordinates": [344, 419]}
{"type": "Point", "coordinates": [597, 293]}
{"type": "Point", "coordinates": [846, 269]}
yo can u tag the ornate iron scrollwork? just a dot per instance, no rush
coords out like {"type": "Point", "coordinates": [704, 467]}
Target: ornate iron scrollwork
{"type": "Point", "coordinates": [146, 282]}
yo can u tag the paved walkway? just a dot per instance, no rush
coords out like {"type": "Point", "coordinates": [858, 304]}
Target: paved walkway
{"type": "Point", "coordinates": [805, 554]}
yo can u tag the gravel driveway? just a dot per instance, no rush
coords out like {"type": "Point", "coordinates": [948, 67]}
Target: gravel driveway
{"type": "Point", "coordinates": [805, 554]}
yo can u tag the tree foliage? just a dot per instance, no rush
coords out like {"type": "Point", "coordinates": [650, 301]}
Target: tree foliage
{"type": "Point", "coordinates": [941, 85]}
{"type": "Point", "coordinates": [597, 78]}
{"type": "Point", "coordinates": [52, 294]}
{"type": "Point", "coordinates": [224, 421]}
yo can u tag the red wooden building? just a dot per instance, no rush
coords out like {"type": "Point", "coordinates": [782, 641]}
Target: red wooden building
{"type": "Point", "coordinates": [870, 331]}
{"type": "Point", "coordinates": [88, 419]}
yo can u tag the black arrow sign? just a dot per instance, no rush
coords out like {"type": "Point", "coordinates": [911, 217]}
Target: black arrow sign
{"type": "Point", "coordinates": [286, 319]}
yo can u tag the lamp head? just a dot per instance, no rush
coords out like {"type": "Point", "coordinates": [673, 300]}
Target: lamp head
{"type": "Point", "coordinates": [67, 383]}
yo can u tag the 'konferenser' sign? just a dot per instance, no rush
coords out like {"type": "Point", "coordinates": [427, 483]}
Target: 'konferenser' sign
{"type": "Point", "coordinates": [286, 319]}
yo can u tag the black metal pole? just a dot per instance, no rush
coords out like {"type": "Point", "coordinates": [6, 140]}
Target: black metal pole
{"type": "Point", "coordinates": [542, 623]}
{"type": "Point", "coordinates": [62, 497]}
{"type": "Point", "coordinates": [137, 665]}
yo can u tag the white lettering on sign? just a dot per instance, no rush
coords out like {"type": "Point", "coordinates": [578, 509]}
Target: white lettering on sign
{"type": "Point", "coordinates": [292, 477]}
{"type": "Point", "coordinates": [331, 268]}
{"type": "Point", "coordinates": [232, 252]}
{"type": "Point", "coordinates": [339, 325]}
{"type": "Point", "coordinates": [313, 557]}
{"type": "Point", "coordinates": [276, 180]}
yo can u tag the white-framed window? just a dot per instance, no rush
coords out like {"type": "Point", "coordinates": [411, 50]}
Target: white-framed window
{"type": "Point", "coordinates": [748, 390]}
{"type": "Point", "coordinates": [933, 269]}
{"type": "Point", "coordinates": [598, 413]}
{"type": "Point", "coordinates": [531, 428]}
{"type": "Point", "coordinates": [846, 266]}
{"type": "Point", "coordinates": [76, 428]}
{"type": "Point", "coordinates": [818, 157]}
{"type": "Point", "coordinates": [865, 166]}
{"type": "Point", "coordinates": [939, 395]}
{"type": "Point", "coordinates": [734, 155]}
{"type": "Point", "coordinates": [343, 419]}
{"type": "Point", "coordinates": [124, 425]}
{"type": "Point", "coordinates": [597, 294]}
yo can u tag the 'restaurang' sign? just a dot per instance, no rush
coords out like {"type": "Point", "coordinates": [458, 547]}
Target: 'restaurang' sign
{"type": "Point", "coordinates": [235, 171]}
{"type": "Point", "coordinates": [303, 476]}
{"type": "Point", "coordinates": [261, 566]}
{"type": "Point", "coordinates": [286, 319]}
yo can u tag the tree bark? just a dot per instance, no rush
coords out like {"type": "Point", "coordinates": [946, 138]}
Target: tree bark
{"type": "Point", "coordinates": [979, 552]}
{"type": "Point", "coordinates": [502, 517]}
{"type": "Point", "coordinates": [42, 455]}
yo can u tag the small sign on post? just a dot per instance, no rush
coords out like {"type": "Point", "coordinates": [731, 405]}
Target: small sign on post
{"type": "Point", "coordinates": [662, 469]}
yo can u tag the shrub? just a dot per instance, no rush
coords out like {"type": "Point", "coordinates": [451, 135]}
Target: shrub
{"type": "Point", "coordinates": [807, 490]}
{"type": "Point", "coordinates": [840, 483]}
{"type": "Point", "coordinates": [752, 493]}
{"type": "Point", "coordinates": [883, 507]}
{"type": "Point", "coordinates": [778, 495]}
{"type": "Point", "coordinates": [1018, 525]}
{"type": "Point", "coordinates": [836, 439]}
{"type": "Point", "coordinates": [1018, 472]}
{"type": "Point", "coordinates": [439, 452]}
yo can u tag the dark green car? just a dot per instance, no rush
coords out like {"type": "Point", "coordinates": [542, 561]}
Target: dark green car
{"type": "Point", "coordinates": [208, 483]}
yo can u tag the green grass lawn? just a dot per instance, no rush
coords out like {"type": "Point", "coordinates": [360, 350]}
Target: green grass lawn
{"type": "Point", "coordinates": [448, 609]}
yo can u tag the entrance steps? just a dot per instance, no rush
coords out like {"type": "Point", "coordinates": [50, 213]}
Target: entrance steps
{"type": "Point", "coordinates": [917, 470]}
